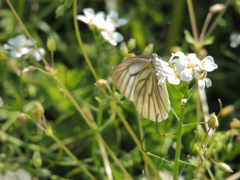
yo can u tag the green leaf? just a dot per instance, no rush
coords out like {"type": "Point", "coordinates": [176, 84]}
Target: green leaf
{"type": "Point", "coordinates": [188, 37]}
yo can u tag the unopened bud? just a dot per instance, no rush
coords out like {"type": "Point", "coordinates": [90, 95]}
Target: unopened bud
{"type": "Point", "coordinates": [28, 69]}
{"type": "Point", "coordinates": [1, 102]}
{"type": "Point", "coordinates": [227, 110]}
{"type": "Point", "coordinates": [44, 172]}
{"type": "Point", "coordinates": [229, 147]}
{"type": "Point", "coordinates": [224, 167]}
{"type": "Point", "coordinates": [38, 110]}
{"type": "Point", "coordinates": [22, 117]}
{"type": "Point", "coordinates": [213, 121]}
{"type": "Point", "coordinates": [235, 123]}
{"type": "Point", "coordinates": [130, 55]}
{"type": "Point", "coordinates": [123, 49]}
{"type": "Point", "coordinates": [51, 44]}
{"type": "Point", "coordinates": [216, 8]}
{"type": "Point", "coordinates": [202, 53]}
{"type": "Point", "coordinates": [37, 160]}
{"type": "Point", "coordinates": [183, 102]}
{"type": "Point", "coordinates": [175, 49]}
{"type": "Point", "coordinates": [101, 83]}
{"type": "Point", "coordinates": [148, 49]}
{"type": "Point", "coordinates": [131, 43]}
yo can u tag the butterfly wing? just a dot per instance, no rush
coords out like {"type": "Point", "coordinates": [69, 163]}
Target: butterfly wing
{"type": "Point", "coordinates": [136, 79]}
{"type": "Point", "coordinates": [150, 99]}
{"type": "Point", "coordinates": [125, 74]}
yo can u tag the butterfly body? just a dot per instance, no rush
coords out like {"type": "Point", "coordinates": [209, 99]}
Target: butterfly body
{"type": "Point", "coordinates": [136, 79]}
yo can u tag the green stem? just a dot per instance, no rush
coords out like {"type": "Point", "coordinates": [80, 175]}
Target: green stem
{"type": "Point", "coordinates": [205, 26]}
{"type": "Point", "coordinates": [206, 166]}
{"type": "Point", "coordinates": [179, 141]}
{"type": "Point", "coordinates": [135, 139]}
{"type": "Point", "coordinates": [215, 23]}
{"type": "Point", "coordinates": [80, 42]}
{"type": "Point", "coordinates": [174, 28]}
{"type": "Point", "coordinates": [192, 19]}
{"type": "Point", "coordinates": [69, 153]}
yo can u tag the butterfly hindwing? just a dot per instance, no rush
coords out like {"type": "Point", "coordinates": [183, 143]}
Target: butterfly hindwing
{"type": "Point", "coordinates": [150, 99]}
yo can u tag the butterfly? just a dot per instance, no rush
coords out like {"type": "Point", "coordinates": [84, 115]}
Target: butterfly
{"type": "Point", "coordinates": [136, 79]}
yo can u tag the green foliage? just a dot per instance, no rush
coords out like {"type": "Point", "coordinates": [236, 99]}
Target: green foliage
{"type": "Point", "coordinates": [52, 136]}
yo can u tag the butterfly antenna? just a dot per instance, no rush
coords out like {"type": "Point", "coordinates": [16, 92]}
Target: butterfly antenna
{"type": "Point", "coordinates": [145, 52]}
{"type": "Point", "coordinates": [163, 32]}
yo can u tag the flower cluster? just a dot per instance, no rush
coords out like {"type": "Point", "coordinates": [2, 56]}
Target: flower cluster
{"type": "Point", "coordinates": [235, 40]}
{"type": "Point", "coordinates": [106, 24]}
{"type": "Point", "coordinates": [21, 46]}
{"type": "Point", "coordinates": [182, 67]}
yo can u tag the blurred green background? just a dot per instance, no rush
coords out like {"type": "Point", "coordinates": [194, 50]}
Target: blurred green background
{"type": "Point", "coordinates": [147, 24]}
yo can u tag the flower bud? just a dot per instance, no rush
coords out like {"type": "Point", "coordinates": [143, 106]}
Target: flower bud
{"type": "Point", "coordinates": [235, 123]}
{"type": "Point", "coordinates": [148, 49]}
{"type": "Point", "coordinates": [37, 160]}
{"type": "Point", "coordinates": [28, 69]}
{"type": "Point", "coordinates": [38, 110]}
{"type": "Point", "coordinates": [1, 102]}
{"type": "Point", "coordinates": [227, 110]}
{"type": "Point", "coordinates": [22, 117]}
{"type": "Point", "coordinates": [130, 55]}
{"type": "Point", "coordinates": [213, 121]}
{"type": "Point", "coordinates": [43, 172]}
{"type": "Point", "coordinates": [175, 49]}
{"type": "Point", "coordinates": [131, 43]}
{"type": "Point", "coordinates": [229, 147]}
{"type": "Point", "coordinates": [216, 8]}
{"type": "Point", "coordinates": [224, 167]}
{"type": "Point", "coordinates": [202, 53]}
{"type": "Point", "coordinates": [51, 44]}
{"type": "Point", "coordinates": [123, 49]}
{"type": "Point", "coordinates": [183, 102]}
{"type": "Point", "coordinates": [101, 83]}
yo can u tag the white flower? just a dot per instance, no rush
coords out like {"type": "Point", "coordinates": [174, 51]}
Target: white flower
{"type": "Point", "coordinates": [36, 54]}
{"type": "Point", "coordinates": [235, 40]}
{"type": "Point", "coordinates": [166, 71]}
{"type": "Point", "coordinates": [18, 174]}
{"type": "Point", "coordinates": [18, 46]}
{"type": "Point", "coordinates": [185, 65]}
{"type": "Point", "coordinates": [112, 37]}
{"type": "Point", "coordinates": [91, 18]}
{"type": "Point", "coordinates": [208, 64]}
{"type": "Point", "coordinates": [182, 67]}
{"type": "Point", "coordinates": [112, 17]}
{"type": "Point", "coordinates": [202, 80]}
{"type": "Point", "coordinates": [21, 46]}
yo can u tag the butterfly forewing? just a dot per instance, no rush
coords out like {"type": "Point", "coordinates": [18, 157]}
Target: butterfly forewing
{"type": "Point", "coordinates": [136, 79]}
{"type": "Point", "coordinates": [125, 74]}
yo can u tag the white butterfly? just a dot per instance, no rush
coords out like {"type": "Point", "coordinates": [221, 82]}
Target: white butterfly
{"type": "Point", "coordinates": [136, 78]}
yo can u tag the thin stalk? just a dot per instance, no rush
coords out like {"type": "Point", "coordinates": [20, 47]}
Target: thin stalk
{"type": "Point", "coordinates": [215, 23]}
{"type": "Point", "coordinates": [86, 114]}
{"type": "Point", "coordinates": [70, 154]}
{"type": "Point", "coordinates": [135, 139]}
{"type": "Point", "coordinates": [206, 166]}
{"type": "Point", "coordinates": [192, 19]}
{"type": "Point", "coordinates": [179, 141]}
{"type": "Point", "coordinates": [80, 42]}
{"type": "Point", "coordinates": [205, 26]}
{"type": "Point", "coordinates": [141, 135]}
